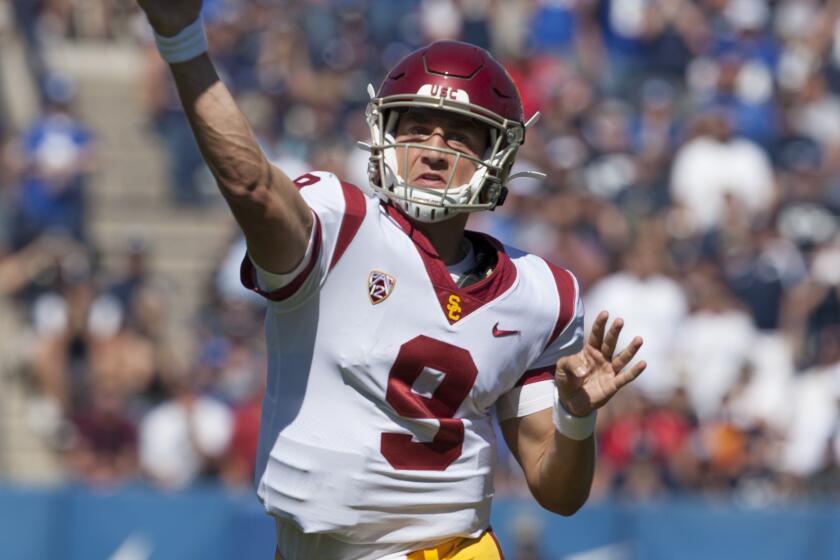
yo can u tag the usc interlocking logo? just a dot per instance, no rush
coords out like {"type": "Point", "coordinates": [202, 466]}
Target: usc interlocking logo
{"type": "Point", "coordinates": [454, 307]}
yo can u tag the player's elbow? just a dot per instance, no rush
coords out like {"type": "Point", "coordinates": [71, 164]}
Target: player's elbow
{"type": "Point", "coordinates": [566, 504]}
{"type": "Point", "coordinates": [567, 510]}
{"type": "Point", "coordinates": [250, 195]}
{"type": "Point", "coordinates": [247, 179]}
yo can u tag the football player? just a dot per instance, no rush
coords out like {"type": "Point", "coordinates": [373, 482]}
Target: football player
{"type": "Point", "coordinates": [394, 335]}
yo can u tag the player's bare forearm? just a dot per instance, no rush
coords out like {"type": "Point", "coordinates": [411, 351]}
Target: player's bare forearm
{"type": "Point", "coordinates": [264, 201]}
{"type": "Point", "coordinates": [565, 474]}
{"type": "Point", "coordinates": [224, 137]}
{"type": "Point", "coordinates": [558, 469]}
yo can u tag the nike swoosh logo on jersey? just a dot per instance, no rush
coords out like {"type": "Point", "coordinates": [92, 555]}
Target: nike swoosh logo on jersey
{"type": "Point", "coordinates": [497, 332]}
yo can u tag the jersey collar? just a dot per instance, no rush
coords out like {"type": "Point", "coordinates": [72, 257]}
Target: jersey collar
{"type": "Point", "coordinates": [457, 303]}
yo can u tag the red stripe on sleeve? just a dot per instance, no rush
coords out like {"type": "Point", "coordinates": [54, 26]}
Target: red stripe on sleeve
{"type": "Point", "coordinates": [534, 375]}
{"type": "Point", "coordinates": [248, 275]}
{"type": "Point", "coordinates": [565, 283]}
{"type": "Point", "coordinates": [354, 214]}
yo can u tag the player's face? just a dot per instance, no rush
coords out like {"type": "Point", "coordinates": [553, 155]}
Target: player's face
{"type": "Point", "coordinates": [437, 129]}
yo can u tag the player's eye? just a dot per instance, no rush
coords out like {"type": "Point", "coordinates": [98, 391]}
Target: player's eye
{"type": "Point", "coordinates": [460, 141]}
{"type": "Point", "coordinates": [460, 138]}
{"type": "Point", "coordinates": [418, 130]}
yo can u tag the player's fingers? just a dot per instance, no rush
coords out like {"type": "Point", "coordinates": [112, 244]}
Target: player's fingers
{"type": "Point", "coordinates": [594, 356]}
{"type": "Point", "coordinates": [596, 337]}
{"type": "Point", "coordinates": [627, 354]}
{"type": "Point", "coordinates": [626, 377]}
{"type": "Point", "coordinates": [611, 339]}
{"type": "Point", "coordinates": [571, 371]}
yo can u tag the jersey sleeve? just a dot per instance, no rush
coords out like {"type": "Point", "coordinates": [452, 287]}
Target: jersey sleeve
{"type": "Point", "coordinates": [534, 391]}
{"type": "Point", "coordinates": [338, 209]}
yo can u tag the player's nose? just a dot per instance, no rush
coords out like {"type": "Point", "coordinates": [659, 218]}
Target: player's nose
{"type": "Point", "coordinates": [432, 156]}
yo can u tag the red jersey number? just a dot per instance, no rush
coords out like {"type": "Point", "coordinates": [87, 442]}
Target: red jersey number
{"type": "Point", "coordinates": [460, 372]}
{"type": "Point", "coordinates": [306, 180]}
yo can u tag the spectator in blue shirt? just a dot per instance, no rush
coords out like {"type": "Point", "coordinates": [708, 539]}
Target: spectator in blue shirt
{"type": "Point", "coordinates": [57, 155]}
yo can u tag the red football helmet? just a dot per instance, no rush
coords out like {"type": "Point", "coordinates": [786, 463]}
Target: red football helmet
{"type": "Point", "coordinates": [462, 79]}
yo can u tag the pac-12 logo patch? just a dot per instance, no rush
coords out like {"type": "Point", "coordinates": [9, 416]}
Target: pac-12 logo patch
{"type": "Point", "coordinates": [380, 286]}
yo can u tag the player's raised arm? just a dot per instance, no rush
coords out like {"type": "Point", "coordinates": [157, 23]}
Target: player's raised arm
{"type": "Point", "coordinates": [272, 214]}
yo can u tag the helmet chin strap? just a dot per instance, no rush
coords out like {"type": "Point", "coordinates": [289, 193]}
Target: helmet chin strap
{"type": "Point", "coordinates": [426, 213]}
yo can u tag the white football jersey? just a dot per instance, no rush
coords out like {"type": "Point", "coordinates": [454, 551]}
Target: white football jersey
{"type": "Point", "coordinates": [383, 374]}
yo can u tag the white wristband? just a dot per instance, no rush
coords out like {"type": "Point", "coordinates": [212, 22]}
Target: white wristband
{"type": "Point", "coordinates": [184, 46]}
{"type": "Point", "coordinates": [573, 427]}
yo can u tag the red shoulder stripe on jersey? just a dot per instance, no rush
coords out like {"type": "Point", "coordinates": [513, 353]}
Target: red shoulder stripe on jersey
{"type": "Point", "coordinates": [565, 283]}
{"type": "Point", "coordinates": [534, 375]}
{"type": "Point", "coordinates": [247, 273]}
{"type": "Point", "coordinates": [354, 214]}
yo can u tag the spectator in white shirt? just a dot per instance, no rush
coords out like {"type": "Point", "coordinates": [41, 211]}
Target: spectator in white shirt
{"type": "Point", "coordinates": [182, 438]}
{"type": "Point", "coordinates": [652, 305]}
{"type": "Point", "coordinates": [715, 164]}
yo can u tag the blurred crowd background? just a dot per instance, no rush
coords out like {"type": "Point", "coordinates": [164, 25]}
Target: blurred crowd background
{"type": "Point", "coordinates": [693, 158]}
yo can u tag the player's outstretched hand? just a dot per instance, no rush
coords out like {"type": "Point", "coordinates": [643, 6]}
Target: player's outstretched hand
{"type": "Point", "coordinates": [170, 17]}
{"type": "Point", "coordinates": [587, 380]}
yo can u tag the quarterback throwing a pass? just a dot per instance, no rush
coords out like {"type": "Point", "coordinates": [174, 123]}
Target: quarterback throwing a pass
{"type": "Point", "coordinates": [394, 334]}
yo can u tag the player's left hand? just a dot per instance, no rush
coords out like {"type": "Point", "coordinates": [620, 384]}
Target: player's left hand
{"type": "Point", "coordinates": [588, 380]}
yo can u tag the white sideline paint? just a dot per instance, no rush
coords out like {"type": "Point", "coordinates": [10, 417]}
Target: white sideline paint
{"type": "Point", "coordinates": [617, 551]}
{"type": "Point", "coordinates": [136, 547]}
